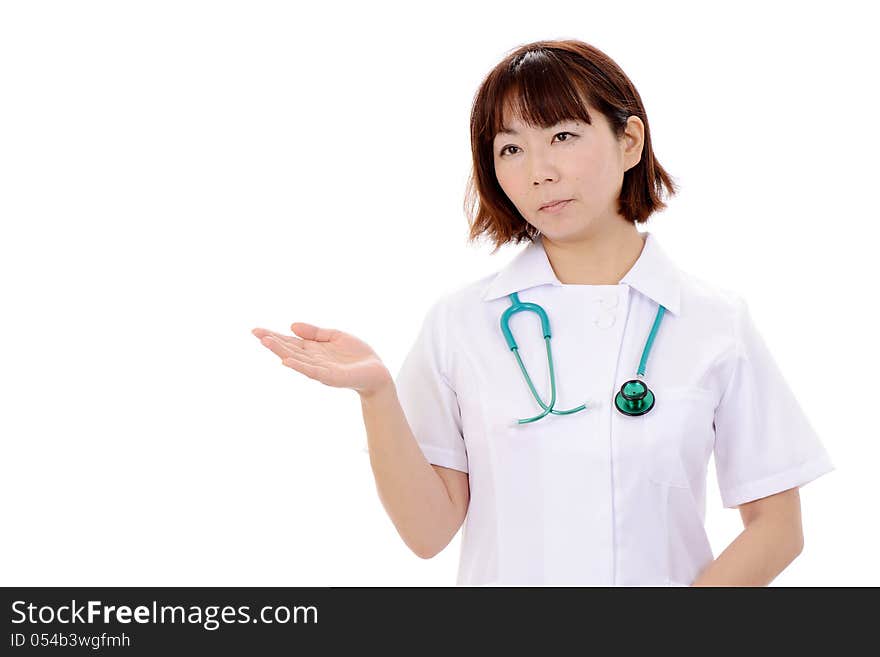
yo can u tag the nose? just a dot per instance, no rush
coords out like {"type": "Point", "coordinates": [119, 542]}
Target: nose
{"type": "Point", "coordinates": [542, 169]}
{"type": "Point", "coordinates": [546, 178]}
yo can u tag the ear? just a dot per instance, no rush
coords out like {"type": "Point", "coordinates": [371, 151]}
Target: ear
{"type": "Point", "coordinates": [633, 142]}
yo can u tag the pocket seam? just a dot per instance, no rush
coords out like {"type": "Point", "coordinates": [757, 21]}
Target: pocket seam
{"type": "Point", "coordinates": [692, 391]}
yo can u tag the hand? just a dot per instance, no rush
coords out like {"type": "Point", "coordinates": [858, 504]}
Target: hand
{"type": "Point", "coordinates": [333, 357]}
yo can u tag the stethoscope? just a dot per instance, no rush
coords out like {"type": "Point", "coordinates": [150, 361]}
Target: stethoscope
{"type": "Point", "coordinates": [634, 397]}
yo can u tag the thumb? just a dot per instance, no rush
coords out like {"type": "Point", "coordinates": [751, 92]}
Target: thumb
{"type": "Point", "coordinates": [311, 332]}
{"type": "Point", "coordinates": [304, 330]}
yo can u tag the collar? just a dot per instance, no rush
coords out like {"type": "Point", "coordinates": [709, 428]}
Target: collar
{"type": "Point", "coordinates": [653, 274]}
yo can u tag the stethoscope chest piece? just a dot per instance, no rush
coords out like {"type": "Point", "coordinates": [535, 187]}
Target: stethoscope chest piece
{"type": "Point", "coordinates": [634, 398]}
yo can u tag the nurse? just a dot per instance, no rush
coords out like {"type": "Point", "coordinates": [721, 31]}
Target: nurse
{"type": "Point", "coordinates": [574, 449]}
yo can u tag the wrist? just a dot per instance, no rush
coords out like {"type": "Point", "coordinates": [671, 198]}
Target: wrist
{"type": "Point", "coordinates": [382, 390]}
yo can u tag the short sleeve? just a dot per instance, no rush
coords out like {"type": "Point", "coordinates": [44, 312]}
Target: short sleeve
{"type": "Point", "coordinates": [428, 399]}
{"type": "Point", "coordinates": [764, 443]}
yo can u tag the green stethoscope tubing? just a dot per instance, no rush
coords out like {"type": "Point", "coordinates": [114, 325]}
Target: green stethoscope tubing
{"type": "Point", "coordinates": [634, 397]}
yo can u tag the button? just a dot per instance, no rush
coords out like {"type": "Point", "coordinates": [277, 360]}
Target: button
{"type": "Point", "coordinates": [609, 301]}
{"type": "Point", "coordinates": [604, 320]}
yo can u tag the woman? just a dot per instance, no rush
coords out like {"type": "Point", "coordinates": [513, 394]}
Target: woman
{"type": "Point", "coordinates": [590, 468]}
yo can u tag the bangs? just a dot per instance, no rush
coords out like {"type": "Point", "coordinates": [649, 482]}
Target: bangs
{"type": "Point", "coordinates": [539, 90]}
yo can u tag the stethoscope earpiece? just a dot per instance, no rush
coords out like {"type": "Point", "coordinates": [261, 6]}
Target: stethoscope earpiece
{"type": "Point", "coordinates": [634, 398]}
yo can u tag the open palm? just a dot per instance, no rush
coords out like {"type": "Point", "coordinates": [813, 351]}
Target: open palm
{"type": "Point", "coordinates": [333, 357]}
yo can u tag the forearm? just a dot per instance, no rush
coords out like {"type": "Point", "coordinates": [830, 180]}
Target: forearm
{"type": "Point", "coordinates": [762, 551]}
{"type": "Point", "coordinates": [413, 494]}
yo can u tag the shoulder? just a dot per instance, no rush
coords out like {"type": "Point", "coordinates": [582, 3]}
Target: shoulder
{"type": "Point", "coordinates": [714, 314]}
{"type": "Point", "coordinates": [703, 298]}
{"type": "Point", "coordinates": [465, 297]}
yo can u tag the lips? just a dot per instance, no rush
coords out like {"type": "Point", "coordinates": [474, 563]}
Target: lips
{"type": "Point", "coordinates": [553, 205]}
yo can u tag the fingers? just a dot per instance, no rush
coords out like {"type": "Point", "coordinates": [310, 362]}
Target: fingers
{"type": "Point", "coordinates": [293, 352]}
{"type": "Point", "coordinates": [309, 333]}
{"type": "Point", "coordinates": [281, 347]}
{"type": "Point", "coordinates": [289, 339]}
{"type": "Point", "coordinates": [271, 338]}
{"type": "Point", "coordinates": [303, 355]}
{"type": "Point", "coordinates": [296, 354]}
{"type": "Point", "coordinates": [318, 372]}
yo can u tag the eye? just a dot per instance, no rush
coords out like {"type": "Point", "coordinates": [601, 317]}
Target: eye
{"type": "Point", "coordinates": [565, 132]}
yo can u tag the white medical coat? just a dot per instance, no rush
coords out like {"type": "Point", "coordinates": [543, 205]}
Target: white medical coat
{"type": "Point", "coordinates": [598, 497]}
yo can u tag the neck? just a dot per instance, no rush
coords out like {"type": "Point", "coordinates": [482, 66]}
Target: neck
{"type": "Point", "coordinates": [602, 259]}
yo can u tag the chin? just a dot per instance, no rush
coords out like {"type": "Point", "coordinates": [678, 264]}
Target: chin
{"type": "Point", "coordinates": [568, 231]}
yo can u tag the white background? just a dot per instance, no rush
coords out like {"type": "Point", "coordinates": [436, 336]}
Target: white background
{"type": "Point", "coordinates": [174, 174]}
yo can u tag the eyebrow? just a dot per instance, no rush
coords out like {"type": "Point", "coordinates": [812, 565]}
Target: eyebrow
{"type": "Point", "coordinates": [514, 132]}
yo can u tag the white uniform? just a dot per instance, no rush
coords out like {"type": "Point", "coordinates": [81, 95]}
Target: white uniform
{"type": "Point", "coordinates": [597, 497]}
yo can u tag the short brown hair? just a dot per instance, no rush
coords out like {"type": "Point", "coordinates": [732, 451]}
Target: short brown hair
{"type": "Point", "coordinates": [546, 82]}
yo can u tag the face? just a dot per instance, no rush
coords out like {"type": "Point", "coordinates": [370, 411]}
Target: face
{"type": "Point", "coordinates": [571, 160]}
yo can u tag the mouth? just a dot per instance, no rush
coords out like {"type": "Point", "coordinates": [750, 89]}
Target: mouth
{"type": "Point", "coordinates": [554, 207]}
